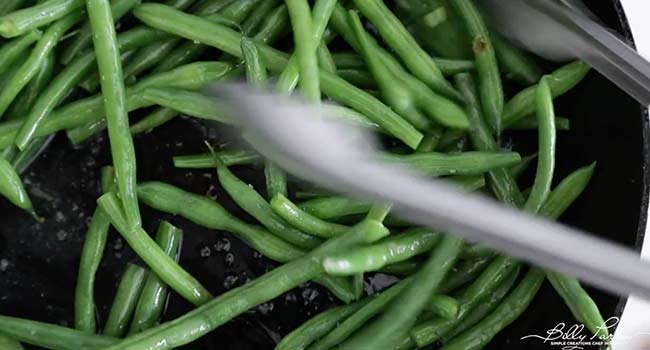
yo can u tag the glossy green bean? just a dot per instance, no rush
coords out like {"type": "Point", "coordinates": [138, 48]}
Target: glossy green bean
{"type": "Point", "coordinates": [126, 298]}
{"type": "Point", "coordinates": [531, 123]}
{"type": "Point", "coordinates": [325, 60]}
{"type": "Point", "coordinates": [359, 78]}
{"type": "Point", "coordinates": [115, 106]}
{"type": "Point", "coordinates": [373, 307]}
{"type": "Point", "coordinates": [51, 336]}
{"type": "Point", "coordinates": [560, 81]}
{"type": "Point", "coordinates": [228, 157]}
{"type": "Point", "coordinates": [195, 28]}
{"type": "Point", "coordinates": [91, 256]}
{"type": "Point", "coordinates": [305, 48]}
{"type": "Point", "coordinates": [318, 326]}
{"type": "Point", "coordinates": [443, 306]}
{"type": "Point", "coordinates": [348, 60]}
{"type": "Point", "coordinates": [11, 51]}
{"type": "Point", "coordinates": [465, 163]}
{"type": "Point", "coordinates": [23, 159]}
{"type": "Point", "coordinates": [222, 309]}
{"type": "Point", "coordinates": [159, 262]}
{"type": "Point", "coordinates": [256, 73]}
{"type": "Point", "coordinates": [69, 77]}
{"type": "Point", "coordinates": [274, 26]}
{"type": "Point", "coordinates": [83, 39]}
{"type": "Point", "coordinates": [394, 323]}
{"type": "Point", "coordinates": [404, 268]}
{"type": "Point", "coordinates": [546, 147]}
{"type": "Point", "coordinates": [303, 221]}
{"type": "Point", "coordinates": [153, 297]}
{"type": "Point", "coordinates": [430, 141]}
{"type": "Point", "coordinates": [501, 181]}
{"type": "Point", "coordinates": [515, 63]}
{"type": "Point", "coordinates": [393, 249]}
{"type": "Point", "coordinates": [194, 104]}
{"type": "Point", "coordinates": [9, 6]}
{"type": "Point", "coordinates": [465, 272]}
{"type": "Point", "coordinates": [250, 26]}
{"type": "Point", "coordinates": [32, 65]}
{"type": "Point", "coordinates": [28, 96]}
{"type": "Point", "coordinates": [12, 188]}
{"type": "Point", "coordinates": [7, 343]}
{"type": "Point", "coordinates": [153, 120]}
{"type": "Point", "coordinates": [20, 22]}
{"type": "Point", "coordinates": [487, 69]}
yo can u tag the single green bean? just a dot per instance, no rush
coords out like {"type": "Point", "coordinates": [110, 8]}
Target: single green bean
{"type": "Point", "coordinates": [51, 336]}
{"type": "Point", "coordinates": [430, 141]}
{"type": "Point", "coordinates": [393, 249]}
{"type": "Point", "coordinates": [546, 146]}
{"type": "Point", "coordinates": [318, 326]}
{"type": "Point", "coordinates": [26, 99]}
{"type": "Point", "coordinates": [531, 123]}
{"type": "Point", "coordinates": [228, 157]}
{"type": "Point", "coordinates": [560, 81]}
{"type": "Point", "coordinates": [254, 20]}
{"type": "Point", "coordinates": [515, 63]}
{"type": "Point", "coordinates": [194, 104]}
{"type": "Point", "coordinates": [477, 251]}
{"type": "Point", "coordinates": [7, 343]}
{"type": "Point", "coordinates": [115, 105]}
{"type": "Point", "coordinates": [154, 119]}
{"type": "Point", "coordinates": [465, 163]}
{"type": "Point", "coordinates": [389, 328]}
{"type": "Point", "coordinates": [126, 298]}
{"type": "Point", "coordinates": [11, 51]}
{"type": "Point", "coordinates": [348, 60]}
{"type": "Point", "coordinates": [91, 256]}
{"type": "Point", "coordinates": [159, 262]}
{"type": "Point", "coordinates": [404, 268]}
{"type": "Point", "coordinates": [487, 69]}
{"type": "Point", "coordinates": [19, 22]}
{"type": "Point", "coordinates": [41, 52]}
{"type": "Point", "coordinates": [9, 6]}
{"type": "Point", "coordinates": [154, 291]}
{"type": "Point", "coordinates": [359, 78]}
{"type": "Point", "coordinates": [12, 188]}
{"type": "Point", "coordinates": [465, 272]}
{"type": "Point", "coordinates": [83, 39]}
{"type": "Point", "coordinates": [274, 26]}
{"type": "Point", "coordinates": [255, 68]}
{"type": "Point", "coordinates": [325, 60]}
{"type": "Point", "coordinates": [305, 48]}
{"type": "Point", "coordinates": [443, 306]}
{"type": "Point", "coordinates": [303, 221]}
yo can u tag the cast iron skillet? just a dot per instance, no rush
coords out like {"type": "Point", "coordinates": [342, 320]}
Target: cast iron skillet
{"type": "Point", "coordinates": [38, 262]}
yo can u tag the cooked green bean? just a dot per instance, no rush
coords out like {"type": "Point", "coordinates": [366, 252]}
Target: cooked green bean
{"type": "Point", "coordinates": [7, 343]}
{"type": "Point", "coordinates": [228, 157]}
{"type": "Point", "coordinates": [546, 155]}
{"type": "Point", "coordinates": [358, 78]}
{"type": "Point", "coordinates": [487, 69]}
{"type": "Point", "coordinates": [391, 250]}
{"type": "Point", "coordinates": [515, 63]}
{"type": "Point", "coordinates": [51, 336]}
{"type": "Point", "coordinates": [465, 272]}
{"type": "Point", "coordinates": [257, 16]}
{"type": "Point", "coordinates": [443, 306]}
{"type": "Point", "coordinates": [159, 262]}
{"type": "Point", "coordinates": [12, 188]}
{"type": "Point", "coordinates": [33, 64]}
{"type": "Point", "coordinates": [20, 22]}
{"type": "Point", "coordinates": [11, 51]}
{"type": "Point", "coordinates": [28, 96]}
{"type": "Point", "coordinates": [195, 28]}
{"type": "Point", "coordinates": [465, 163]}
{"type": "Point", "coordinates": [404, 268]}
{"type": "Point", "coordinates": [301, 220]}
{"type": "Point", "coordinates": [394, 323]}
{"type": "Point", "coordinates": [91, 256]}
{"type": "Point", "coordinates": [560, 81]}
{"type": "Point", "coordinates": [154, 119]}
{"type": "Point", "coordinates": [154, 293]}
{"type": "Point", "coordinates": [23, 159]}
{"type": "Point", "coordinates": [305, 48]}
{"type": "Point", "coordinates": [348, 60]}
{"type": "Point", "coordinates": [126, 298]}
{"type": "Point", "coordinates": [274, 26]}
{"type": "Point", "coordinates": [83, 39]}
{"type": "Point", "coordinates": [194, 104]}
{"type": "Point", "coordinates": [430, 141]}
{"type": "Point", "coordinates": [531, 123]}
{"type": "Point", "coordinates": [318, 326]}
{"type": "Point", "coordinates": [9, 6]}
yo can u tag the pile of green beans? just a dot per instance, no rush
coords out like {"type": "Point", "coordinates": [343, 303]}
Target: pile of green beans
{"type": "Point", "coordinates": [429, 79]}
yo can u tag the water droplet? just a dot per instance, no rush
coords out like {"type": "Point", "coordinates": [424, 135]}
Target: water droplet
{"type": "Point", "coordinates": [229, 259]}
{"type": "Point", "coordinates": [222, 245]}
{"type": "Point", "coordinates": [212, 192]}
{"type": "Point", "coordinates": [265, 308]}
{"type": "Point", "coordinates": [118, 244]}
{"type": "Point", "coordinates": [257, 255]}
{"type": "Point", "coordinates": [59, 217]}
{"type": "Point", "coordinates": [205, 252]}
{"type": "Point", "coordinates": [61, 235]}
{"type": "Point", "coordinates": [291, 298]}
{"type": "Point", "coordinates": [196, 42]}
{"type": "Point", "coordinates": [230, 281]}
{"type": "Point", "coordinates": [4, 264]}
{"type": "Point", "coordinates": [309, 295]}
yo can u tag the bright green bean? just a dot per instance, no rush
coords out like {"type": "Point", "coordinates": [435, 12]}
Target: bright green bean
{"type": "Point", "coordinates": [465, 272]}
{"type": "Point", "coordinates": [154, 119]}
{"type": "Point", "coordinates": [9, 6]}
{"type": "Point", "coordinates": [274, 26]}
{"type": "Point", "coordinates": [12, 188]}
{"type": "Point", "coordinates": [487, 69]}
{"type": "Point", "coordinates": [305, 48]}
{"type": "Point", "coordinates": [11, 51]}
{"type": "Point", "coordinates": [358, 78]}
{"type": "Point", "coordinates": [7, 343]}
{"type": "Point", "coordinates": [254, 20]}
{"type": "Point", "coordinates": [404, 268]}
{"type": "Point", "coordinates": [159, 262]}
{"type": "Point", "coordinates": [443, 306]}
{"type": "Point", "coordinates": [393, 249]}
{"type": "Point", "coordinates": [194, 104]}
{"type": "Point", "coordinates": [19, 22]}
{"type": "Point", "coordinates": [515, 63]}
{"type": "Point", "coordinates": [126, 298]}
{"type": "Point", "coordinates": [228, 157]}
{"type": "Point", "coordinates": [303, 221]}
{"type": "Point", "coordinates": [39, 82]}
{"type": "Point", "coordinates": [465, 163]}
{"type": "Point", "coordinates": [154, 291]}
{"type": "Point", "coordinates": [531, 123]}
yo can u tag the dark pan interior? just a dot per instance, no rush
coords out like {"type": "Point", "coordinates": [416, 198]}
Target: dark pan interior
{"type": "Point", "coordinates": [38, 262]}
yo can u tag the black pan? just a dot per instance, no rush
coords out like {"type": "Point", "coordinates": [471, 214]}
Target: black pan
{"type": "Point", "coordinates": [38, 262]}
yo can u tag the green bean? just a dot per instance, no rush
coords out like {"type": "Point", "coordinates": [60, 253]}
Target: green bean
{"type": "Point", "coordinates": [318, 326]}
{"type": "Point", "coordinates": [465, 163]}
{"type": "Point", "coordinates": [493, 276]}
{"type": "Point", "coordinates": [39, 82]}
{"type": "Point", "coordinates": [567, 191]}
{"type": "Point", "coordinates": [483, 308]}
{"type": "Point", "coordinates": [374, 306]}
{"type": "Point", "coordinates": [404, 268]}
{"type": "Point", "coordinates": [9, 6]}
{"type": "Point", "coordinates": [274, 25]}
{"type": "Point", "coordinates": [9, 152]}
{"type": "Point", "coordinates": [195, 28]}
{"type": "Point", "coordinates": [11, 51]}
{"type": "Point", "coordinates": [91, 256]}
{"type": "Point", "coordinates": [546, 156]}
{"type": "Point", "coordinates": [208, 213]}
{"type": "Point", "coordinates": [560, 81]}
{"type": "Point", "coordinates": [501, 181]}
{"type": "Point", "coordinates": [255, 68]}
{"type": "Point", "coordinates": [305, 49]}
{"type": "Point", "coordinates": [228, 157]}
{"type": "Point", "coordinates": [359, 78]}
{"type": "Point", "coordinates": [126, 298]}
{"type": "Point", "coordinates": [465, 272]}
{"type": "Point", "coordinates": [430, 141]}
{"type": "Point", "coordinates": [453, 66]}
{"type": "Point", "coordinates": [40, 53]}
{"type": "Point", "coordinates": [83, 38]}
{"type": "Point", "coordinates": [400, 40]}
{"type": "Point", "coordinates": [477, 251]}
{"type": "Point", "coordinates": [303, 221]}
{"type": "Point", "coordinates": [12, 188]}
{"type": "Point", "coordinates": [256, 17]}
{"type": "Point", "coordinates": [325, 60]}
{"type": "Point", "coordinates": [51, 336]}
{"type": "Point", "coordinates": [7, 343]}
{"type": "Point", "coordinates": [515, 63]}
{"type": "Point", "coordinates": [115, 105]}
{"type": "Point", "coordinates": [443, 306]}
{"type": "Point", "coordinates": [20, 22]}
{"type": "Point", "coordinates": [399, 317]}
{"type": "Point", "coordinates": [389, 251]}
{"type": "Point", "coordinates": [154, 119]}
{"type": "Point", "coordinates": [69, 77]}
{"type": "Point", "coordinates": [489, 78]}
{"type": "Point", "coordinates": [348, 60]}
{"type": "Point", "coordinates": [194, 104]}
{"type": "Point", "coordinates": [159, 262]}
{"type": "Point", "coordinates": [154, 291]}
